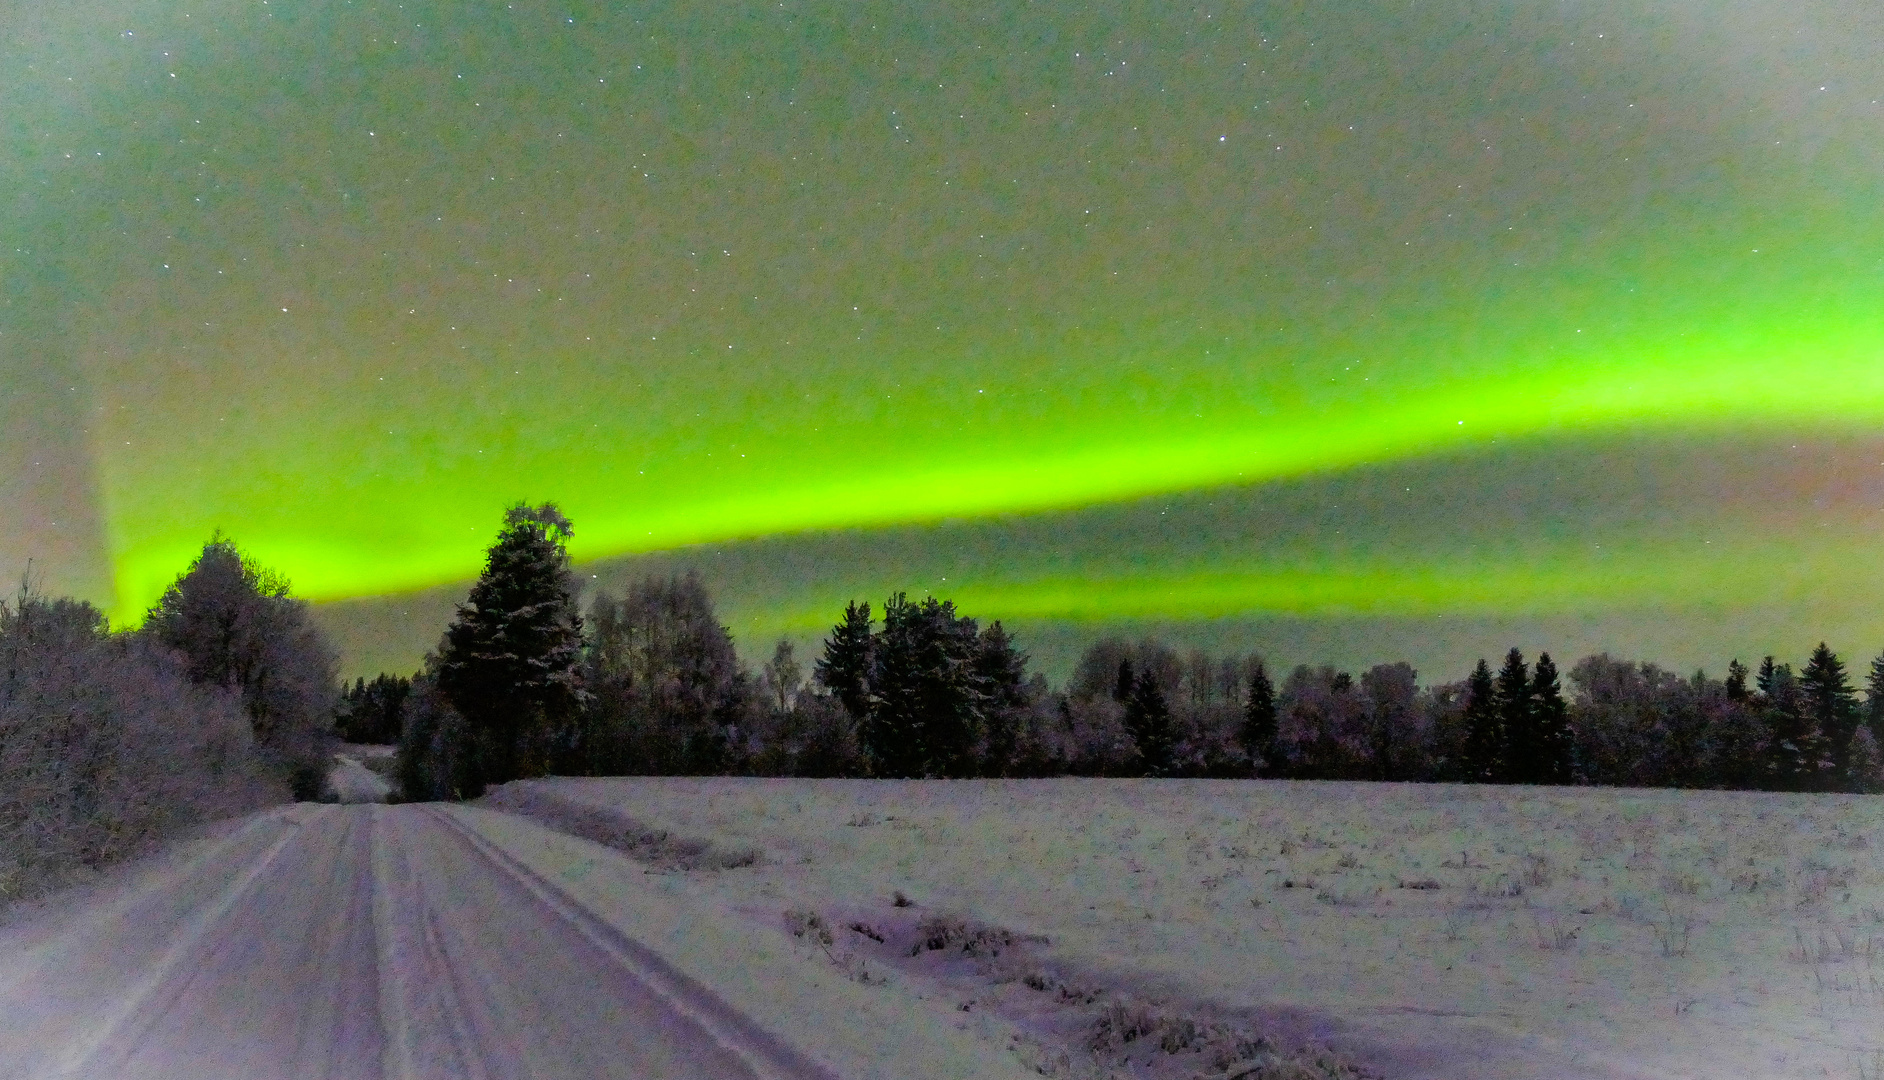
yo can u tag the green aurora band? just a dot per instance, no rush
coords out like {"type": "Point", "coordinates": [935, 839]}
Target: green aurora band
{"type": "Point", "coordinates": [344, 279]}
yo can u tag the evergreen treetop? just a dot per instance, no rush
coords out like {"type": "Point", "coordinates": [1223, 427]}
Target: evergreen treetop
{"type": "Point", "coordinates": [1257, 735]}
{"type": "Point", "coordinates": [1830, 703]}
{"type": "Point", "coordinates": [510, 660]}
{"type": "Point", "coordinates": [1148, 721]}
{"type": "Point", "coordinates": [1550, 719]}
{"type": "Point", "coordinates": [844, 667]}
{"type": "Point", "coordinates": [1522, 751]}
{"type": "Point", "coordinates": [1483, 753]}
{"type": "Point", "coordinates": [1736, 683]}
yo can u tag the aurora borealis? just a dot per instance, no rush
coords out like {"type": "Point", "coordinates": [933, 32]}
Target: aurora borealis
{"type": "Point", "coordinates": [857, 295]}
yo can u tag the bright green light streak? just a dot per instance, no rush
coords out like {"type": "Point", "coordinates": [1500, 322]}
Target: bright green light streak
{"type": "Point", "coordinates": [1578, 578]}
{"type": "Point", "coordinates": [1724, 383]}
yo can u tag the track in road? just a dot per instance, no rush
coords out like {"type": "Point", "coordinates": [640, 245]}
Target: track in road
{"type": "Point", "coordinates": [360, 943]}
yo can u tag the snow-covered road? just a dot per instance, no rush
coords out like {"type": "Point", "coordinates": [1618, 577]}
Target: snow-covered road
{"type": "Point", "coordinates": [358, 942]}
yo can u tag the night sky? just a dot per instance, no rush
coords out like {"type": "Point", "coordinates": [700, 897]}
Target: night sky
{"type": "Point", "coordinates": [1380, 329]}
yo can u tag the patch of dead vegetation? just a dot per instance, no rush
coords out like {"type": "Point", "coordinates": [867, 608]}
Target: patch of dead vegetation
{"type": "Point", "coordinates": [611, 828]}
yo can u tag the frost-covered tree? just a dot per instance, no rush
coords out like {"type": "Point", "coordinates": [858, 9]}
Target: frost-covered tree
{"type": "Point", "coordinates": [1391, 694]}
{"type": "Point", "coordinates": [237, 625]}
{"type": "Point", "coordinates": [107, 745]}
{"type": "Point", "coordinates": [510, 662]}
{"type": "Point", "coordinates": [782, 677]}
{"type": "Point", "coordinates": [667, 693]}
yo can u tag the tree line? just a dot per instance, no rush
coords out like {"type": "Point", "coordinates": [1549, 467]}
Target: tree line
{"type": "Point", "coordinates": [523, 683]}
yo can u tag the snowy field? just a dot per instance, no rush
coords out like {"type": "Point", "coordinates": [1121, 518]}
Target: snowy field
{"type": "Point", "coordinates": [1424, 930]}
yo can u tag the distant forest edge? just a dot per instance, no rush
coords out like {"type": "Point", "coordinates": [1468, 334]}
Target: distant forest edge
{"type": "Point", "coordinates": [227, 698]}
{"type": "Point", "coordinates": [523, 684]}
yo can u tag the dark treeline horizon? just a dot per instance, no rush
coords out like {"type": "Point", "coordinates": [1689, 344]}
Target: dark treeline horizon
{"type": "Point", "coordinates": [649, 682]}
{"type": "Point", "coordinates": [228, 697]}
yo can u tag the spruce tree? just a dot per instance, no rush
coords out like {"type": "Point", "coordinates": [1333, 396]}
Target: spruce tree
{"type": "Point", "coordinates": [1794, 757]}
{"type": "Point", "coordinates": [1259, 730]}
{"type": "Point", "coordinates": [1483, 753]}
{"type": "Point", "coordinates": [1550, 723]}
{"type": "Point", "coordinates": [1736, 681]}
{"type": "Point", "coordinates": [1523, 754]}
{"type": "Point", "coordinates": [510, 661]}
{"type": "Point", "coordinates": [1831, 706]}
{"type": "Point", "coordinates": [1148, 721]}
{"type": "Point", "coordinates": [1000, 673]}
{"type": "Point", "coordinates": [844, 669]}
{"type": "Point", "coordinates": [924, 718]}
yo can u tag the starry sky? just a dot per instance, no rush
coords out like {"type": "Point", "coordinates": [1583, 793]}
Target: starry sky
{"type": "Point", "coordinates": [1377, 329]}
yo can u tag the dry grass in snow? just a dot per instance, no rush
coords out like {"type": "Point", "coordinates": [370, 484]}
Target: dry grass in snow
{"type": "Point", "coordinates": [1424, 930]}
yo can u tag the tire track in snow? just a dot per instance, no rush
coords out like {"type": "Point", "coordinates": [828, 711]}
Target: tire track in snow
{"type": "Point", "coordinates": [360, 943]}
{"type": "Point", "coordinates": [279, 980]}
{"type": "Point", "coordinates": [713, 1030]}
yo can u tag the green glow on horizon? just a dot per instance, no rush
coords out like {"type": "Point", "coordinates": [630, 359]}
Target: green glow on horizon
{"type": "Point", "coordinates": [343, 280]}
{"type": "Point", "coordinates": [1709, 391]}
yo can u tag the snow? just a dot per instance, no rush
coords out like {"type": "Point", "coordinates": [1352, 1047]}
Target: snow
{"type": "Point", "coordinates": [1436, 930]}
{"type": "Point", "coordinates": [411, 942]}
{"type": "Point", "coordinates": [351, 781]}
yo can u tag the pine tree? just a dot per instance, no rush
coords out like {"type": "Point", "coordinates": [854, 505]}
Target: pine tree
{"type": "Point", "coordinates": [924, 718]}
{"type": "Point", "coordinates": [1257, 735]}
{"type": "Point", "coordinates": [1736, 681]}
{"type": "Point", "coordinates": [1794, 756]}
{"type": "Point", "coordinates": [1483, 753]}
{"type": "Point", "coordinates": [1550, 723]}
{"type": "Point", "coordinates": [1523, 754]}
{"type": "Point", "coordinates": [372, 712]}
{"type": "Point", "coordinates": [1831, 706]}
{"type": "Point", "coordinates": [509, 661]}
{"type": "Point", "coordinates": [844, 669]}
{"type": "Point", "coordinates": [1000, 673]}
{"type": "Point", "coordinates": [1148, 721]}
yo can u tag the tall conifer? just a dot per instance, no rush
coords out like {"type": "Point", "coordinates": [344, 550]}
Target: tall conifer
{"type": "Point", "coordinates": [509, 661]}
{"type": "Point", "coordinates": [1148, 721]}
{"type": "Point", "coordinates": [1483, 753]}
{"type": "Point", "coordinates": [844, 669]}
{"type": "Point", "coordinates": [1000, 672]}
{"type": "Point", "coordinates": [1736, 680]}
{"type": "Point", "coordinates": [1550, 720]}
{"type": "Point", "coordinates": [1523, 753]}
{"type": "Point", "coordinates": [1831, 705]}
{"type": "Point", "coordinates": [1257, 735]}
{"type": "Point", "coordinates": [1795, 757]}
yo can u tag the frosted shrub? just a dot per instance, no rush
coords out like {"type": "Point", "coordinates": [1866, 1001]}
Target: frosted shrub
{"type": "Point", "coordinates": [106, 745]}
